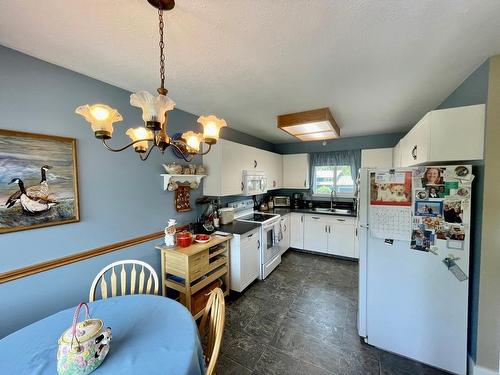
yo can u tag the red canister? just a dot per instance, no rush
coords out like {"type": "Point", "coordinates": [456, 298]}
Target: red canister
{"type": "Point", "coordinates": [184, 239]}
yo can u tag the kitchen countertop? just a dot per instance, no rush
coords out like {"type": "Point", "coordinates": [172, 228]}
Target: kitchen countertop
{"type": "Point", "coordinates": [286, 210]}
{"type": "Point", "coordinates": [238, 227]}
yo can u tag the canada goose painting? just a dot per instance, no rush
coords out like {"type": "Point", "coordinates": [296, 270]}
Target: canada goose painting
{"type": "Point", "coordinates": [38, 181]}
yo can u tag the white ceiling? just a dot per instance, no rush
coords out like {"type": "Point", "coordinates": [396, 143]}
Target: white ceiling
{"type": "Point", "coordinates": [379, 65]}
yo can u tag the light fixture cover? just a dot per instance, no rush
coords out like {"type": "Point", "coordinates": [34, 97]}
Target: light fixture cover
{"type": "Point", "coordinates": [211, 127]}
{"type": "Point", "coordinates": [138, 133]}
{"type": "Point", "coordinates": [192, 140]}
{"type": "Point", "coordinates": [100, 116]}
{"type": "Point", "coordinates": [153, 107]}
{"type": "Point", "coordinates": [314, 125]}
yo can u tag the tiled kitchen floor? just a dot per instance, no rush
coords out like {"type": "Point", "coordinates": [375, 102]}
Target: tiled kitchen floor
{"type": "Point", "coordinates": [302, 320]}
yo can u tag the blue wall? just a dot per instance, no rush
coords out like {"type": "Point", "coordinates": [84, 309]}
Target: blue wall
{"type": "Point", "coordinates": [474, 90]}
{"type": "Point", "coordinates": [341, 144]}
{"type": "Point", "coordinates": [120, 196]}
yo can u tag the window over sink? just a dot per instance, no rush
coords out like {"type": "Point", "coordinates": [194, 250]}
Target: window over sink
{"type": "Point", "coordinates": [328, 178]}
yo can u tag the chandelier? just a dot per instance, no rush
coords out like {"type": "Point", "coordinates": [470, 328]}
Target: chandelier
{"type": "Point", "coordinates": [154, 114]}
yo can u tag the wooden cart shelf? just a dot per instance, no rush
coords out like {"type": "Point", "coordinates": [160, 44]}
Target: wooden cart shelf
{"type": "Point", "coordinates": [194, 268]}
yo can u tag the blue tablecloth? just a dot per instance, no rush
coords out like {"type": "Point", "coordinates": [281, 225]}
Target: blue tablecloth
{"type": "Point", "coordinates": [151, 335]}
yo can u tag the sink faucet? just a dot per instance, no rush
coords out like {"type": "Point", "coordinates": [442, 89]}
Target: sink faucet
{"type": "Point", "coordinates": [332, 194]}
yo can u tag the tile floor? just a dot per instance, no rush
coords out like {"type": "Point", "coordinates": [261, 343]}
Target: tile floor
{"type": "Point", "coordinates": [302, 320]}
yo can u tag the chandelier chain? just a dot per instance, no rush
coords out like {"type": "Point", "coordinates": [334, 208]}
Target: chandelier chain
{"type": "Point", "coordinates": [162, 46]}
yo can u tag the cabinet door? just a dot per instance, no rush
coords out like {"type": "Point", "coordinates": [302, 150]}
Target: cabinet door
{"type": "Point", "coordinates": [297, 230]}
{"type": "Point", "coordinates": [416, 150]}
{"type": "Point", "coordinates": [396, 156]}
{"type": "Point", "coordinates": [376, 158]}
{"type": "Point", "coordinates": [316, 234]}
{"type": "Point", "coordinates": [285, 230]}
{"type": "Point", "coordinates": [276, 171]}
{"type": "Point", "coordinates": [457, 133]}
{"type": "Point", "coordinates": [296, 171]}
{"type": "Point", "coordinates": [341, 239]}
{"type": "Point", "coordinates": [232, 167]}
{"type": "Point", "coordinates": [249, 257]}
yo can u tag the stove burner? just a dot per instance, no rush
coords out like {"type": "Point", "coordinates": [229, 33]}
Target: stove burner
{"type": "Point", "coordinates": [257, 217]}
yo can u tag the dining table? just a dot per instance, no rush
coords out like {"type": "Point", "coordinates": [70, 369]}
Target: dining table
{"type": "Point", "coordinates": [150, 335]}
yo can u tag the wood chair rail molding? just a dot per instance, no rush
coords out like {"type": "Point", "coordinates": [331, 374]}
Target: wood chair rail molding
{"type": "Point", "coordinates": [73, 258]}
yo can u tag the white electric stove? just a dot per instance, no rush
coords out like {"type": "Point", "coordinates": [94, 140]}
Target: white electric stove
{"type": "Point", "coordinates": [270, 234]}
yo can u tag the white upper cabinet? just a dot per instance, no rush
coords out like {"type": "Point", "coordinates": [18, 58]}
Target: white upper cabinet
{"type": "Point", "coordinates": [296, 171]}
{"type": "Point", "coordinates": [396, 156]}
{"type": "Point", "coordinates": [226, 162]}
{"type": "Point", "coordinates": [445, 135]}
{"type": "Point", "coordinates": [272, 164]}
{"type": "Point", "coordinates": [457, 133]}
{"type": "Point", "coordinates": [376, 158]}
{"type": "Point", "coordinates": [416, 143]}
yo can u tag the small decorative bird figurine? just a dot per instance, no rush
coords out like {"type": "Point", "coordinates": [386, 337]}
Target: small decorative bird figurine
{"type": "Point", "coordinates": [32, 205]}
{"type": "Point", "coordinates": [37, 191]}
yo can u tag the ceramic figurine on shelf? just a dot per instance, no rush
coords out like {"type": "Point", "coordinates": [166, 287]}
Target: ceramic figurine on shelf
{"type": "Point", "coordinates": [170, 233]}
{"type": "Point", "coordinates": [200, 169]}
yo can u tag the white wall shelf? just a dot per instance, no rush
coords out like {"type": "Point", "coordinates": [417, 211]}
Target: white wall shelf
{"type": "Point", "coordinates": [181, 179]}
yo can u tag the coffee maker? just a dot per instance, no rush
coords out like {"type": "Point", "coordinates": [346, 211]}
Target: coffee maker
{"type": "Point", "coordinates": [297, 200]}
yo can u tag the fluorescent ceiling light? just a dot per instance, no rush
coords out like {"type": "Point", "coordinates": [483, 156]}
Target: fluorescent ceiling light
{"type": "Point", "coordinates": [314, 125]}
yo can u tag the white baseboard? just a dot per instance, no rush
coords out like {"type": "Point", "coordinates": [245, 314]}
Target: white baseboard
{"type": "Point", "coordinates": [478, 370]}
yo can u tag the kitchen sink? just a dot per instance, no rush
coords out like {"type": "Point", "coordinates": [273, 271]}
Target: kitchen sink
{"type": "Point", "coordinates": [333, 211]}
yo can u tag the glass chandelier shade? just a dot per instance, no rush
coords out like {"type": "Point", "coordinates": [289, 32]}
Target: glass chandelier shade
{"type": "Point", "coordinates": [153, 107]}
{"type": "Point", "coordinates": [211, 128]}
{"type": "Point", "coordinates": [193, 141]}
{"type": "Point", "coordinates": [136, 134]}
{"type": "Point", "coordinates": [101, 118]}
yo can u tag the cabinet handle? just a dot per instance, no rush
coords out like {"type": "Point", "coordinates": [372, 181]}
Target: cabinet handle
{"type": "Point", "coordinates": [340, 219]}
{"type": "Point", "coordinates": [255, 163]}
{"type": "Point", "coordinates": [250, 235]}
{"type": "Point", "coordinates": [329, 229]}
{"type": "Point", "coordinates": [242, 186]}
{"type": "Point", "coordinates": [304, 183]}
{"type": "Point", "coordinates": [414, 152]}
{"type": "Point", "coordinates": [326, 228]}
{"type": "Point", "coordinates": [258, 244]}
{"type": "Point", "coordinates": [314, 217]}
{"type": "Point", "coordinates": [302, 219]}
{"type": "Point", "coordinates": [274, 183]}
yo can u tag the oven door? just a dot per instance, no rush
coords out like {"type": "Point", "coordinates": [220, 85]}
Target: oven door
{"type": "Point", "coordinates": [271, 242]}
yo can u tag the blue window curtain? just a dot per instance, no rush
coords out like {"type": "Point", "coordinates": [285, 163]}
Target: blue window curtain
{"type": "Point", "coordinates": [349, 157]}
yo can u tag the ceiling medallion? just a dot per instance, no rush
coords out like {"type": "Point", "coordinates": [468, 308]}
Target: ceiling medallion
{"type": "Point", "coordinates": [154, 114]}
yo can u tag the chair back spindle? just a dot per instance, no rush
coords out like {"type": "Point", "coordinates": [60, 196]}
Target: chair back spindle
{"type": "Point", "coordinates": [143, 286]}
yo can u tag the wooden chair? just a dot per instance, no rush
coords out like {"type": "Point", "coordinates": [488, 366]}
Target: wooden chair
{"type": "Point", "coordinates": [213, 315]}
{"type": "Point", "coordinates": [101, 276]}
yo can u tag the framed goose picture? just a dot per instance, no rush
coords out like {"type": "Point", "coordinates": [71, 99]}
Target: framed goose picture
{"type": "Point", "coordinates": [38, 181]}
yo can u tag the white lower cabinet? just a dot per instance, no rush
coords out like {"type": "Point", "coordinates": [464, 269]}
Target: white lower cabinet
{"type": "Point", "coordinates": [316, 234]}
{"type": "Point", "coordinates": [285, 230]}
{"type": "Point", "coordinates": [244, 259]}
{"type": "Point", "coordinates": [330, 235]}
{"type": "Point", "coordinates": [342, 238]}
{"type": "Point", "coordinates": [297, 230]}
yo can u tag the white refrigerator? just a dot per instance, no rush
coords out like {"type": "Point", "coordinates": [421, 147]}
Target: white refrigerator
{"type": "Point", "coordinates": [414, 262]}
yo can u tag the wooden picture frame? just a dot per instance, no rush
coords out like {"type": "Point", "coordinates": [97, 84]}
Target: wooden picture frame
{"type": "Point", "coordinates": [25, 156]}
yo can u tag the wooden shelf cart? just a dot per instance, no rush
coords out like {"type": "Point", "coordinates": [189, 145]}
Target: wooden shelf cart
{"type": "Point", "coordinates": [188, 270]}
